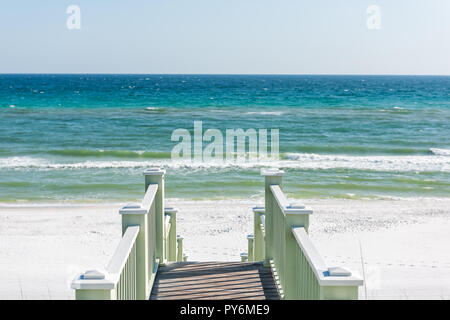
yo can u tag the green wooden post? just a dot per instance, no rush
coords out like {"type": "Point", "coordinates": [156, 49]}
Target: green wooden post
{"type": "Point", "coordinates": [179, 248]}
{"type": "Point", "coordinates": [339, 293]}
{"type": "Point", "coordinates": [156, 176]}
{"type": "Point", "coordinates": [172, 212]}
{"type": "Point", "coordinates": [93, 285]}
{"type": "Point", "coordinates": [258, 243]}
{"type": "Point", "coordinates": [134, 215]}
{"type": "Point", "coordinates": [95, 295]}
{"type": "Point", "coordinates": [295, 218]}
{"type": "Point", "coordinates": [272, 177]}
{"type": "Point", "coordinates": [250, 240]}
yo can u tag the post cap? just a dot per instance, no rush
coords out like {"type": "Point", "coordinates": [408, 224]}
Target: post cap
{"type": "Point", "coordinates": [154, 172]}
{"type": "Point", "coordinates": [295, 205]}
{"type": "Point", "coordinates": [250, 236]}
{"type": "Point", "coordinates": [179, 237]}
{"type": "Point", "coordinates": [259, 209]}
{"type": "Point", "coordinates": [272, 172]}
{"type": "Point", "coordinates": [93, 275]}
{"type": "Point", "coordinates": [170, 210]}
{"type": "Point", "coordinates": [95, 280]}
{"type": "Point", "coordinates": [132, 208]}
{"type": "Point", "coordinates": [244, 255]}
{"type": "Point", "coordinates": [338, 272]}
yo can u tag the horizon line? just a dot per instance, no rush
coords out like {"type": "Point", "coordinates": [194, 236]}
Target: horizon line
{"type": "Point", "coordinates": [227, 74]}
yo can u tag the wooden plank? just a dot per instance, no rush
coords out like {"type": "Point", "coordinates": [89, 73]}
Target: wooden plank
{"type": "Point", "coordinates": [233, 296]}
{"type": "Point", "coordinates": [214, 280]}
{"type": "Point", "coordinates": [209, 287]}
{"type": "Point", "coordinates": [227, 282]}
{"type": "Point", "coordinates": [218, 296]}
{"type": "Point", "coordinates": [215, 291]}
{"type": "Point", "coordinates": [211, 274]}
{"type": "Point", "coordinates": [214, 269]}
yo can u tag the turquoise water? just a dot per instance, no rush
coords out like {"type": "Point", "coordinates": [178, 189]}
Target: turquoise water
{"type": "Point", "coordinates": [88, 137]}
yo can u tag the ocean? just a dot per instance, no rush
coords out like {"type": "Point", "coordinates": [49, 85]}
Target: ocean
{"type": "Point", "coordinates": [87, 138]}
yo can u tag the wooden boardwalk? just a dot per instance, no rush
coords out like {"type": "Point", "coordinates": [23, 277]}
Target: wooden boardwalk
{"type": "Point", "coordinates": [214, 280]}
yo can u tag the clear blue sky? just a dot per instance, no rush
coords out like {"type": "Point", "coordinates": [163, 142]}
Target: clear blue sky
{"type": "Point", "coordinates": [226, 36]}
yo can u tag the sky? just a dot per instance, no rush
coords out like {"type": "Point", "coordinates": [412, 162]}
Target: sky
{"type": "Point", "coordinates": [226, 37]}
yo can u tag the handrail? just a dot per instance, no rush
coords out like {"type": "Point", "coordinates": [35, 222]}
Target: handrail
{"type": "Point", "coordinates": [298, 269]}
{"type": "Point", "coordinates": [149, 197]}
{"type": "Point", "coordinates": [145, 205]}
{"type": "Point", "coordinates": [148, 239]}
{"type": "Point", "coordinates": [285, 206]}
{"type": "Point", "coordinates": [120, 257]}
{"type": "Point", "coordinates": [118, 281]}
{"type": "Point", "coordinates": [325, 275]}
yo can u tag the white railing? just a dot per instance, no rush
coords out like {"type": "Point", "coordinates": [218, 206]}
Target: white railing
{"type": "Point", "coordinates": [118, 280]}
{"type": "Point", "coordinates": [284, 214]}
{"type": "Point", "coordinates": [148, 240]}
{"type": "Point", "coordinates": [281, 240]}
{"type": "Point", "coordinates": [123, 265]}
{"type": "Point", "coordinates": [256, 242]}
{"type": "Point", "coordinates": [314, 279]}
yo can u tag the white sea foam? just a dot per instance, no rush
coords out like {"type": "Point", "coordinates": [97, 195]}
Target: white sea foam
{"type": "Point", "coordinates": [154, 109]}
{"type": "Point", "coordinates": [440, 152]}
{"type": "Point", "coordinates": [305, 161]}
{"type": "Point", "coordinates": [21, 162]}
{"type": "Point", "coordinates": [375, 163]}
{"type": "Point", "coordinates": [266, 113]}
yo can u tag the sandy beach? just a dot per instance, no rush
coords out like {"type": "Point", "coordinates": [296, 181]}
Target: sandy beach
{"type": "Point", "coordinates": [399, 246]}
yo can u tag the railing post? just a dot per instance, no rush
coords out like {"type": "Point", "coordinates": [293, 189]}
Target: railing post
{"type": "Point", "coordinates": [172, 212]}
{"type": "Point", "coordinates": [294, 219]}
{"type": "Point", "coordinates": [156, 176]}
{"type": "Point", "coordinates": [258, 242]}
{"type": "Point", "coordinates": [272, 177]}
{"type": "Point", "coordinates": [339, 293]}
{"type": "Point", "coordinates": [93, 285]}
{"type": "Point", "coordinates": [179, 248]}
{"type": "Point", "coordinates": [250, 240]}
{"type": "Point", "coordinates": [132, 217]}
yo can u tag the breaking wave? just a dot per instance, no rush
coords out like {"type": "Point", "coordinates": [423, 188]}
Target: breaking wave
{"type": "Point", "coordinates": [440, 152]}
{"type": "Point", "coordinates": [110, 153]}
{"type": "Point", "coordinates": [301, 161]}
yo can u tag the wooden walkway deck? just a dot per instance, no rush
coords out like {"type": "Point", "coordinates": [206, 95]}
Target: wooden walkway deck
{"type": "Point", "coordinates": [214, 280]}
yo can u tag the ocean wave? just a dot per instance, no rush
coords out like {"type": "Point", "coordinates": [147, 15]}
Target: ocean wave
{"type": "Point", "coordinates": [440, 152]}
{"type": "Point", "coordinates": [359, 150]}
{"type": "Point", "coordinates": [266, 113]}
{"type": "Point", "coordinates": [300, 161]}
{"type": "Point", "coordinates": [110, 153]}
{"type": "Point", "coordinates": [419, 163]}
{"type": "Point", "coordinates": [155, 109]}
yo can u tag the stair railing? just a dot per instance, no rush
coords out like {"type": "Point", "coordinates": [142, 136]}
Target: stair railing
{"type": "Point", "coordinates": [148, 239]}
{"type": "Point", "coordinates": [281, 241]}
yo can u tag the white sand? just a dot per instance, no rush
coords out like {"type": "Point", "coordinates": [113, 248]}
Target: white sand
{"type": "Point", "coordinates": [404, 243]}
